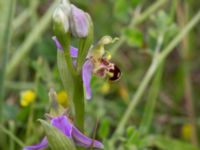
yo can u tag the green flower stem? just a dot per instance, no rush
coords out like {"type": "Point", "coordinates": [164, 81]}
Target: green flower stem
{"type": "Point", "coordinates": [78, 99]}
{"type": "Point", "coordinates": [11, 135]}
{"type": "Point", "coordinates": [32, 37]}
{"type": "Point", "coordinates": [154, 65]}
{"type": "Point", "coordinates": [4, 47]}
{"type": "Point", "coordinates": [65, 41]}
{"type": "Point", "coordinates": [78, 95]}
{"type": "Point", "coordinates": [139, 19]}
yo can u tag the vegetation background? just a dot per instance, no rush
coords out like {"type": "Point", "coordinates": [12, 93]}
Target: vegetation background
{"type": "Point", "coordinates": [158, 111]}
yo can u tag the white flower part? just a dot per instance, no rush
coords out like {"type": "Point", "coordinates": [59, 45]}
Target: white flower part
{"type": "Point", "coordinates": [60, 17]}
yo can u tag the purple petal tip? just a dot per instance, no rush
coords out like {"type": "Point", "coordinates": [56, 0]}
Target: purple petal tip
{"type": "Point", "coordinates": [84, 141]}
{"type": "Point", "coordinates": [43, 144]}
{"type": "Point", "coordinates": [86, 76]}
{"type": "Point", "coordinates": [58, 45]}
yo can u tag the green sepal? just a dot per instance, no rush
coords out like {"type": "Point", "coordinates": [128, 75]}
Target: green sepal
{"type": "Point", "coordinates": [99, 50]}
{"type": "Point", "coordinates": [56, 139]}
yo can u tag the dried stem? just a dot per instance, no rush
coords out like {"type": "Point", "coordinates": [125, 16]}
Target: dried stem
{"type": "Point", "coordinates": [182, 13]}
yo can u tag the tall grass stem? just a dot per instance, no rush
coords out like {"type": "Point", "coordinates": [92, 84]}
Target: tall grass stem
{"type": "Point", "coordinates": [150, 72]}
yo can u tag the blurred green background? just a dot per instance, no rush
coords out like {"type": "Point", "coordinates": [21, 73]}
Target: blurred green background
{"type": "Point", "coordinates": [166, 117]}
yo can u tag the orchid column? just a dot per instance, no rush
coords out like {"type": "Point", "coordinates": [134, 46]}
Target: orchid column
{"type": "Point", "coordinates": [71, 22]}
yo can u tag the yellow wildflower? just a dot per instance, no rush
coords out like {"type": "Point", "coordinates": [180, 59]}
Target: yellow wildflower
{"type": "Point", "coordinates": [27, 97]}
{"type": "Point", "coordinates": [105, 88]}
{"type": "Point", "coordinates": [63, 98]}
{"type": "Point", "coordinates": [186, 131]}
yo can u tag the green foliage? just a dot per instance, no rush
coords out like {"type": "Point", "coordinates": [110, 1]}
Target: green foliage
{"type": "Point", "coordinates": [134, 37]}
{"type": "Point", "coordinates": [166, 143]}
{"type": "Point", "coordinates": [123, 8]}
{"type": "Point", "coordinates": [163, 25]}
{"type": "Point", "coordinates": [104, 128]}
{"type": "Point", "coordinates": [145, 29]}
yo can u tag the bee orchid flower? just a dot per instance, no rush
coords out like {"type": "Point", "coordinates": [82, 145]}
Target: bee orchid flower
{"type": "Point", "coordinates": [63, 123]}
{"type": "Point", "coordinates": [97, 62]}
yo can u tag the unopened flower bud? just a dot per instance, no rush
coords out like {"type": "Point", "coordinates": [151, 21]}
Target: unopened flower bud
{"type": "Point", "coordinates": [60, 18]}
{"type": "Point", "coordinates": [79, 22]}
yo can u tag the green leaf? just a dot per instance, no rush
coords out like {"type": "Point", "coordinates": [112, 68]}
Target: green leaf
{"type": "Point", "coordinates": [133, 136]}
{"type": "Point", "coordinates": [9, 111]}
{"type": "Point", "coordinates": [65, 74]}
{"type": "Point", "coordinates": [56, 139]}
{"type": "Point", "coordinates": [134, 3]}
{"type": "Point", "coordinates": [104, 128]}
{"type": "Point", "coordinates": [121, 10]}
{"type": "Point", "coordinates": [166, 143]}
{"type": "Point", "coordinates": [134, 37]}
{"type": "Point", "coordinates": [42, 92]}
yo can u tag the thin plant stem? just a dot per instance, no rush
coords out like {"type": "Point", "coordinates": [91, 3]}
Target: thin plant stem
{"type": "Point", "coordinates": [180, 36]}
{"type": "Point", "coordinates": [17, 22]}
{"type": "Point", "coordinates": [12, 129]}
{"type": "Point", "coordinates": [30, 122]}
{"type": "Point", "coordinates": [151, 102]}
{"type": "Point", "coordinates": [32, 37]}
{"type": "Point", "coordinates": [182, 15]}
{"type": "Point", "coordinates": [4, 49]}
{"type": "Point", "coordinates": [150, 72]}
{"type": "Point", "coordinates": [11, 135]}
{"type": "Point", "coordinates": [139, 19]}
{"type": "Point", "coordinates": [137, 96]}
{"type": "Point", "coordinates": [153, 92]}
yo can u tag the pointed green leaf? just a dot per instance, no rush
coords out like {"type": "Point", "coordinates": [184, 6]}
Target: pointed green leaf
{"type": "Point", "coordinates": [65, 74]}
{"type": "Point", "coordinates": [56, 139]}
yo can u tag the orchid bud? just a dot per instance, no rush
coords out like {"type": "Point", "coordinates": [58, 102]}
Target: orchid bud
{"type": "Point", "coordinates": [60, 19]}
{"type": "Point", "coordinates": [65, 2]}
{"type": "Point", "coordinates": [79, 22]}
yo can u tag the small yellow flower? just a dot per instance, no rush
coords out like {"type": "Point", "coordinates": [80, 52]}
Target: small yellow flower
{"type": "Point", "coordinates": [27, 97]}
{"type": "Point", "coordinates": [105, 88]}
{"type": "Point", "coordinates": [63, 98]}
{"type": "Point", "coordinates": [186, 131]}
